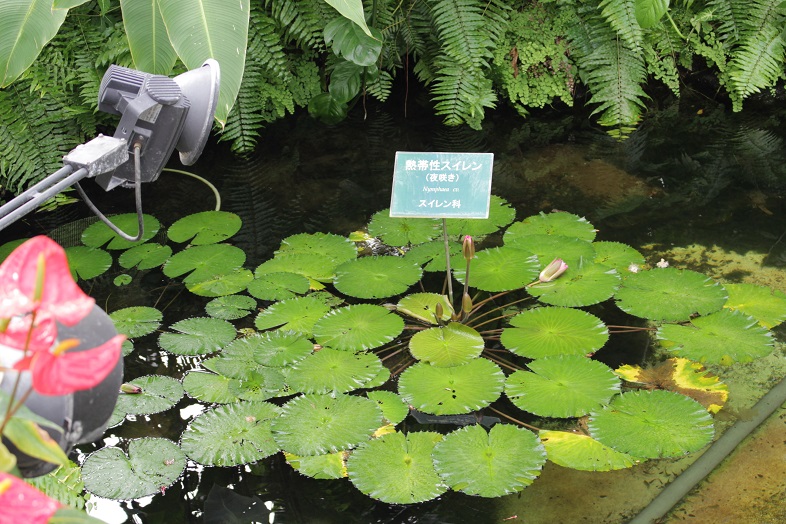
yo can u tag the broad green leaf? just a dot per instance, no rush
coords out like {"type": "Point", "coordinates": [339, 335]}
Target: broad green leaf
{"type": "Point", "coordinates": [158, 394]}
{"type": "Point", "coordinates": [446, 346]}
{"type": "Point", "coordinates": [207, 227]}
{"type": "Point", "coordinates": [147, 38]}
{"type": "Point", "coordinates": [402, 231]}
{"type": "Point", "coordinates": [7, 459]}
{"type": "Point", "coordinates": [335, 247]}
{"type": "Point", "coordinates": [501, 213]}
{"type": "Point", "coordinates": [222, 284]}
{"type": "Point", "coordinates": [330, 370]}
{"type": "Point", "coordinates": [29, 438]}
{"type": "Point", "coordinates": [315, 266]}
{"type": "Point", "coordinates": [394, 409]}
{"type": "Point", "coordinates": [357, 45]}
{"type": "Point", "coordinates": [500, 269]}
{"type": "Point", "coordinates": [211, 387]}
{"type": "Point", "coordinates": [766, 305]}
{"type": "Point", "coordinates": [578, 286]}
{"type": "Point", "coordinates": [231, 307]}
{"type": "Point", "coordinates": [352, 10]}
{"type": "Point", "coordinates": [122, 280]}
{"type": "Point", "coordinates": [202, 29]}
{"type": "Point", "coordinates": [26, 26]}
{"type": "Point", "coordinates": [431, 255]}
{"type": "Point", "coordinates": [422, 306]}
{"type": "Point", "coordinates": [145, 256]}
{"type": "Point", "coordinates": [582, 452]}
{"type": "Point", "coordinates": [136, 321]}
{"type": "Point", "coordinates": [86, 263]}
{"type": "Point", "coordinates": [296, 314]}
{"type": "Point", "coordinates": [547, 331]}
{"type": "Point", "coordinates": [328, 466]}
{"type": "Point", "coordinates": [278, 286]}
{"type": "Point", "coordinates": [345, 81]}
{"type": "Point", "coordinates": [99, 234]}
{"type": "Point", "coordinates": [574, 251]}
{"type": "Point", "coordinates": [67, 4]}
{"type": "Point", "coordinates": [327, 108]}
{"type": "Point", "coordinates": [620, 256]}
{"type": "Point", "coordinates": [376, 277]}
{"type": "Point", "coordinates": [649, 12]}
{"type": "Point", "coordinates": [204, 262]}
{"type": "Point", "coordinates": [558, 223]}
{"type": "Point", "coordinates": [358, 327]}
{"type": "Point", "coordinates": [197, 336]}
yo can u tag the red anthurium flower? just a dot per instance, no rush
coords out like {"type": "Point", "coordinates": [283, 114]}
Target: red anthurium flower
{"type": "Point", "coordinates": [35, 277]}
{"type": "Point", "coordinates": [21, 502]}
{"type": "Point", "coordinates": [61, 372]}
{"type": "Point", "coordinates": [17, 334]}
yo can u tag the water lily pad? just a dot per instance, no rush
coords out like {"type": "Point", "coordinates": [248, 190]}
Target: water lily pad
{"type": "Point", "coordinates": [454, 390]}
{"type": "Point", "coordinates": [397, 468]}
{"type": "Point", "coordinates": [314, 266]}
{"type": "Point", "coordinates": [296, 314]}
{"type": "Point", "coordinates": [500, 215]}
{"type": "Point", "coordinates": [403, 231]}
{"type": "Point", "coordinates": [207, 227]}
{"type": "Point", "coordinates": [500, 269]}
{"type": "Point", "coordinates": [337, 248]}
{"type": "Point", "coordinates": [330, 370]}
{"type": "Point", "coordinates": [151, 465]}
{"type": "Point", "coordinates": [450, 345]}
{"type": "Point", "coordinates": [231, 307]}
{"type": "Point", "coordinates": [573, 251]}
{"type": "Point", "coordinates": [582, 452]}
{"type": "Point", "coordinates": [766, 305]}
{"type": "Point", "coordinates": [721, 338]}
{"type": "Point", "coordinates": [431, 255]}
{"type": "Point", "coordinates": [204, 262]}
{"type": "Point", "coordinates": [376, 277]}
{"type": "Point", "coordinates": [278, 286]}
{"type": "Point", "coordinates": [319, 424]}
{"type": "Point", "coordinates": [558, 223]}
{"type": "Point", "coordinates": [275, 348]}
{"type": "Point", "coordinates": [210, 387]}
{"type": "Point", "coordinates": [197, 336]}
{"type": "Point", "coordinates": [231, 435]}
{"type": "Point", "coordinates": [505, 460]}
{"type": "Point", "coordinates": [394, 409]}
{"type": "Point", "coordinates": [122, 280]}
{"type": "Point", "coordinates": [547, 331]}
{"type": "Point", "coordinates": [358, 327]}
{"type": "Point", "coordinates": [617, 255]}
{"type": "Point", "coordinates": [562, 386]}
{"type": "Point", "coordinates": [422, 306]}
{"type": "Point", "coordinates": [328, 466]}
{"type": "Point", "coordinates": [579, 286]}
{"type": "Point", "coordinates": [136, 321]}
{"type": "Point", "coordinates": [222, 284]}
{"type": "Point", "coordinates": [670, 294]}
{"type": "Point", "coordinates": [652, 424]}
{"type": "Point", "coordinates": [86, 262]}
{"type": "Point", "coordinates": [99, 234]}
{"type": "Point", "coordinates": [145, 256]}
{"type": "Point", "coordinates": [158, 394]}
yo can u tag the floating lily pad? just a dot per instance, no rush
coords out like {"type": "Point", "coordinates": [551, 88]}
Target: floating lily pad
{"type": "Point", "coordinates": [500, 215]}
{"type": "Point", "coordinates": [204, 262]}
{"type": "Point", "coordinates": [562, 386]}
{"type": "Point", "coordinates": [617, 255]}
{"type": "Point", "coordinates": [136, 321]}
{"type": "Point", "coordinates": [197, 336]}
{"type": "Point", "coordinates": [422, 306]}
{"type": "Point", "coordinates": [207, 227]}
{"type": "Point", "coordinates": [319, 424]}
{"type": "Point", "coordinates": [397, 468]}
{"type": "Point", "coordinates": [330, 370]}
{"type": "Point", "coordinates": [329, 466]}
{"type": "Point", "coordinates": [231, 307]}
{"type": "Point", "coordinates": [314, 266]}
{"type": "Point", "coordinates": [559, 223]}
{"type": "Point", "coordinates": [122, 280]}
{"type": "Point", "coordinates": [578, 286]}
{"type": "Point", "coordinates": [582, 452]}
{"type": "Point", "coordinates": [670, 294]}
{"type": "Point", "coordinates": [296, 314]}
{"type": "Point", "coordinates": [720, 338]}
{"type": "Point", "coordinates": [394, 409]}
{"type": "Point", "coordinates": [403, 231]}
{"type": "Point", "coordinates": [454, 390]}
{"type": "Point", "coordinates": [376, 277]}
{"type": "Point", "coordinates": [358, 327]}
{"type": "Point", "coordinates": [127, 347]}
{"type": "Point", "coordinates": [431, 255]}
{"type": "Point", "coordinates": [145, 256]}
{"type": "Point", "coordinates": [547, 331]}
{"type": "Point", "coordinates": [86, 262]}
{"type": "Point", "coordinates": [275, 348]}
{"type": "Point", "coordinates": [337, 248]}
{"type": "Point", "coordinates": [450, 345]}
{"type": "Point", "coordinates": [222, 284]}
{"type": "Point", "coordinates": [99, 234]}
{"type": "Point", "coordinates": [573, 251]}
{"type": "Point", "coordinates": [210, 387]}
{"type": "Point", "coordinates": [652, 424]}
{"type": "Point", "coordinates": [766, 305]}
{"type": "Point", "coordinates": [278, 286]}
{"type": "Point", "coordinates": [500, 269]}
{"type": "Point", "coordinates": [158, 394]}
{"type": "Point", "coordinates": [151, 465]}
{"type": "Point", "coordinates": [505, 460]}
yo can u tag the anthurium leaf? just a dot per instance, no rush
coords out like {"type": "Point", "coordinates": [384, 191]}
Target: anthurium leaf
{"type": "Point", "coordinates": [445, 346]}
{"type": "Point", "coordinates": [207, 227]}
{"type": "Point", "coordinates": [328, 466]}
{"type": "Point", "coordinates": [221, 284]}
{"type": "Point", "coordinates": [310, 265]}
{"type": "Point", "coordinates": [297, 314]}
{"type": "Point", "coordinates": [394, 409]}
{"type": "Point", "coordinates": [136, 321]}
{"type": "Point", "coordinates": [159, 393]}
{"type": "Point", "coordinates": [578, 286]}
{"type": "Point", "coordinates": [230, 435]}
{"type": "Point", "coordinates": [327, 108]}
{"type": "Point", "coordinates": [582, 452]}
{"type": "Point", "coordinates": [145, 256]}
{"type": "Point", "coordinates": [152, 464]}
{"type": "Point", "coordinates": [231, 307]}
{"type": "Point", "coordinates": [86, 263]}
{"type": "Point", "coordinates": [330, 370]}
{"type": "Point", "coordinates": [319, 424]}
{"type": "Point", "coordinates": [562, 386]}
{"type": "Point", "coordinates": [345, 80]}
{"type": "Point", "coordinates": [376, 277]}
{"type": "Point", "coordinates": [500, 269]}
{"type": "Point", "coordinates": [574, 251]}
{"type": "Point", "coordinates": [197, 336]}
{"type": "Point", "coordinates": [670, 294]}
{"type": "Point", "coordinates": [617, 255]}
{"type": "Point", "coordinates": [356, 43]}
{"type": "Point", "coordinates": [337, 248]}
{"type": "Point", "coordinates": [422, 306]}
{"type": "Point", "coordinates": [558, 223]}
{"type": "Point", "coordinates": [721, 338]}
{"type": "Point", "coordinates": [278, 286]}
{"type": "Point", "coordinates": [500, 215]}
{"type": "Point", "coordinates": [505, 460]}
{"type": "Point", "coordinates": [210, 387]}
{"type": "Point", "coordinates": [652, 424]}
{"type": "Point", "coordinates": [649, 12]}
{"type": "Point", "coordinates": [397, 468]}
{"type": "Point", "coordinates": [451, 390]}
{"type": "Point", "coordinates": [547, 331]}
{"type": "Point", "coordinates": [352, 10]}
{"type": "Point", "coordinates": [30, 439]}
{"type": "Point", "coordinates": [7, 459]}
{"type": "Point", "coordinates": [204, 262]}
{"type": "Point", "coordinates": [766, 305]}
{"type": "Point", "coordinates": [403, 231]}
{"type": "Point", "coordinates": [431, 255]}
{"type": "Point", "coordinates": [358, 327]}
{"type": "Point", "coordinates": [99, 234]}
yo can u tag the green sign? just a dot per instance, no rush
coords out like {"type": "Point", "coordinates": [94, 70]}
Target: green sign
{"type": "Point", "coordinates": [441, 185]}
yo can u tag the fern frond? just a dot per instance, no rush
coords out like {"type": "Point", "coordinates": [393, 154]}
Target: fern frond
{"type": "Point", "coordinates": [621, 15]}
{"type": "Point", "coordinates": [729, 14]}
{"type": "Point", "coordinates": [462, 95]}
{"type": "Point", "coordinates": [302, 21]}
{"type": "Point", "coordinates": [460, 28]}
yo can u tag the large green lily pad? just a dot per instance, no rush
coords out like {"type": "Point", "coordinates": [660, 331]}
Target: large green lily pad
{"type": "Point", "coordinates": [766, 305]}
{"type": "Point", "coordinates": [87, 262]}
{"type": "Point", "coordinates": [335, 247]}
{"type": "Point", "coordinates": [145, 256]}
{"type": "Point", "coordinates": [358, 327]}
{"type": "Point", "coordinates": [204, 262]}
{"type": "Point", "coordinates": [558, 223]}
{"type": "Point", "coordinates": [582, 285]}
{"type": "Point", "coordinates": [222, 284]}
{"type": "Point", "coordinates": [158, 393]}
{"type": "Point", "coordinates": [231, 307]}
{"type": "Point", "coordinates": [376, 277]}
{"type": "Point", "coordinates": [403, 231]}
{"type": "Point", "coordinates": [296, 314]}
{"type": "Point", "coordinates": [99, 234]}
{"type": "Point", "coordinates": [207, 227]}
{"type": "Point", "coordinates": [136, 321]}
{"type": "Point", "coordinates": [500, 269]}
{"type": "Point", "coordinates": [330, 370]}
{"type": "Point", "coordinates": [197, 336]}
{"type": "Point", "coordinates": [582, 452]}
{"type": "Point", "coordinates": [422, 306]}
{"type": "Point", "coordinates": [445, 346]}
{"type": "Point", "coordinates": [278, 286]}
{"type": "Point", "coordinates": [500, 215]}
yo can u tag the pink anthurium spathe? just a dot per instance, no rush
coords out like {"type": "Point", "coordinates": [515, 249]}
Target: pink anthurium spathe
{"type": "Point", "coordinates": [35, 278]}
{"type": "Point", "coordinates": [21, 502]}
{"type": "Point", "coordinates": [18, 333]}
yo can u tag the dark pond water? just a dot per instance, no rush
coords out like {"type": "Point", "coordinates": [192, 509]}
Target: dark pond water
{"type": "Point", "coordinates": [694, 184]}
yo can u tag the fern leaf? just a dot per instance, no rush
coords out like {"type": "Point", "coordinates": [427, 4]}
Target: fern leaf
{"type": "Point", "coordinates": [621, 15]}
{"type": "Point", "coordinates": [461, 96]}
{"type": "Point", "coordinates": [758, 64]}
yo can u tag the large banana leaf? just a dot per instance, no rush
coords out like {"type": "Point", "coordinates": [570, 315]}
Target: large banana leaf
{"type": "Point", "coordinates": [147, 37]}
{"type": "Point", "coordinates": [202, 29]}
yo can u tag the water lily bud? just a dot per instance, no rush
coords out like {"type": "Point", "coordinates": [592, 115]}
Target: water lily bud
{"type": "Point", "coordinates": [130, 389]}
{"type": "Point", "coordinates": [438, 310]}
{"type": "Point", "coordinates": [466, 303]}
{"type": "Point", "coordinates": [468, 248]}
{"type": "Point", "coordinates": [555, 268]}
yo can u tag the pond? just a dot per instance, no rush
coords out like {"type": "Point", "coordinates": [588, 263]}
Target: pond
{"type": "Point", "coordinates": [694, 186]}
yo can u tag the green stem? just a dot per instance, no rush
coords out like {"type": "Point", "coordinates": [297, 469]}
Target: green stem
{"type": "Point", "coordinates": [675, 26]}
{"type": "Point", "coordinates": [447, 262]}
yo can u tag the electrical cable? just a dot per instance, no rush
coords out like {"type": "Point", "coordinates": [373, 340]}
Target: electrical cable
{"type": "Point", "coordinates": [203, 180]}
